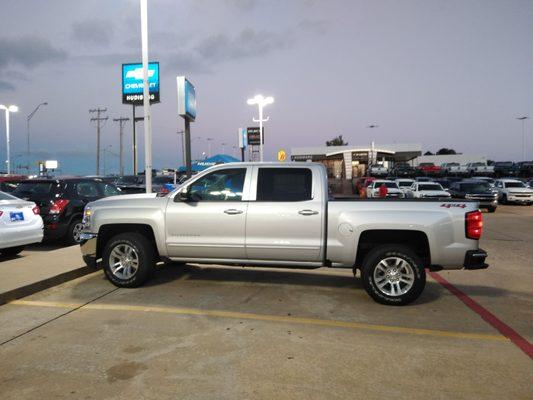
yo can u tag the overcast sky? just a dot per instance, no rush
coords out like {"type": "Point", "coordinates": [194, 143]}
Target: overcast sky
{"type": "Point", "coordinates": [441, 73]}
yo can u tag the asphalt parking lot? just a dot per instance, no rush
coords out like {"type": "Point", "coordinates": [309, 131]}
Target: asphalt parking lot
{"type": "Point", "coordinates": [208, 332]}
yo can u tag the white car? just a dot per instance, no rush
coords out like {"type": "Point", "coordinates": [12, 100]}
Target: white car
{"type": "Point", "coordinates": [428, 190]}
{"type": "Point", "coordinates": [513, 191]}
{"type": "Point", "coordinates": [404, 184]}
{"type": "Point", "coordinates": [454, 168]}
{"type": "Point", "coordinates": [378, 170]}
{"type": "Point", "coordinates": [20, 224]}
{"type": "Point", "coordinates": [479, 168]}
{"type": "Point", "coordinates": [372, 190]}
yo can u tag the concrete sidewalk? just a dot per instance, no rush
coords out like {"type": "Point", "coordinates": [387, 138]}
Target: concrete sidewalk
{"type": "Point", "coordinates": [38, 268]}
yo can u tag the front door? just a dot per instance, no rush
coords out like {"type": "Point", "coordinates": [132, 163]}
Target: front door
{"type": "Point", "coordinates": [285, 218]}
{"type": "Point", "coordinates": [210, 220]}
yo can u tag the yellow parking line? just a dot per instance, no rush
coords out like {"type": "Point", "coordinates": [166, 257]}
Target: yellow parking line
{"type": "Point", "coordinates": [266, 317]}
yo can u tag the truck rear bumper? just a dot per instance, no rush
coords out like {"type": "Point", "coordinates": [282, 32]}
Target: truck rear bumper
{"type": "Point", "coordinates": [88, 248]}
{"type": "Point", "coordinates": [475, 259]}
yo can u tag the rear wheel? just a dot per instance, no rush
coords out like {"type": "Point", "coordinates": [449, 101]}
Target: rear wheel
{"type": "Point", "coordinates": [11, 251]}
{"type": "Point", "coordinates": [393, 275]}
{"type": "Point", "coordinates": [73, 235]}
{"type": "Point", "coordinates": [128, 259]}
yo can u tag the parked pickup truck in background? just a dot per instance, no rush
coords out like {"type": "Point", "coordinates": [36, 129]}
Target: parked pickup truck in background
{"type": "Point", "coordinates": [280, 215]}
{"type": "Point", "coordinates": [479, 168]}
{"type": "Point", "coordinates": [429, 169]}
{"type": "Point", "coordinates": [378, 170]}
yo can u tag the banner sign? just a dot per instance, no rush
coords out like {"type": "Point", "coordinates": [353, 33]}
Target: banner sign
{"type": "Point", "coordinates": [186, 98]}
{"type": "Point", "coordinates": [132, 83]}
{"type": "Point", "coordinates": [243, 139]}
{"type": "Point", "coordinates": [254, 137]}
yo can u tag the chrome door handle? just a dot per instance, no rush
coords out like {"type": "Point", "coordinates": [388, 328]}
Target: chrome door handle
{"type": "Point", "coordinates": [307, 212]}
{"type": "Point", "coordinates": [233, 211]}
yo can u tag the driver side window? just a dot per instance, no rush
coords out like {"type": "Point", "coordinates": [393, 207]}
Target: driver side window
{"type": "Point", "coordinates": [222, 185]}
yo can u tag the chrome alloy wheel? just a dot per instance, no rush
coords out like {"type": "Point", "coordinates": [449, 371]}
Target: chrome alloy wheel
{"type": "Point", "coordinates": [123, 261]}
{"type": "Point", "coordinates": [76, 232]}
{"type": "Point", "coordinates": [394, 276]}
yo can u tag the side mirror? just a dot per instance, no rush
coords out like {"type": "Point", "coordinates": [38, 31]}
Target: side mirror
{"type": "Point", "coordinates": [182, 195]}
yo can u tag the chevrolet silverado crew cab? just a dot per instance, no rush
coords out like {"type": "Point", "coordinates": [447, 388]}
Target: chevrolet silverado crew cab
{"type": "Point", "coordinates": [280, 215]}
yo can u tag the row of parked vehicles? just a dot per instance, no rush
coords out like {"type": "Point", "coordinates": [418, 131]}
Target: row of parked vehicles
{"type": "Point", "coordinates": [52, 208]}
{"type": "Point", "coordinates": [487, 191]}
{"type": "Point", "coordinates": [498, 169]}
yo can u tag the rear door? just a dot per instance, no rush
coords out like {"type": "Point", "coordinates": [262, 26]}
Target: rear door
{"type": "Point", "coordinates": [285, 214]}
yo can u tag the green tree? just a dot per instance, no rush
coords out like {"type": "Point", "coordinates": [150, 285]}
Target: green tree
{"type": "Point", "coordinates": [445, 151]}
{"type": "Point", "coordinates": [337, 141]}
{"type": "Point", "coordinates": [428, 153]}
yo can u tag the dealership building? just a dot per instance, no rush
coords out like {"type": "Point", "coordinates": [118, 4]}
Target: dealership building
{"type": "Point", "coordinates": [346, 162]}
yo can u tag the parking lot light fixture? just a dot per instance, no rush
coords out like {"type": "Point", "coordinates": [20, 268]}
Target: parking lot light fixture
{"type": "Point", "coordinates": [523, 119]}
{"type": "Point", "coordinates": [261, 102]}
{"type": "Point", "coordinates": [8, 110]}
{"type": "Point", "coordinates": [28, 118]}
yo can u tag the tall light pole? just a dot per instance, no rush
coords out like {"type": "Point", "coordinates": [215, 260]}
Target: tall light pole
{"type": "Point", "coordinates": [374, 155]}
{"type": "Point", "coordinates": [121, 121]}
{"type": "Point", "coordinates": [223, 148]}
{"type": "Point", "coordinates": [8, 109]}
{"type": "Point", "coordinates": [28, 118]}
{"type": "Point", "coordinates": [523, 119]}
{"type": "Point", "coordinates": [261, 102]}
{"type": "Point", "coordinates": [209, 140]}
{"type": "Point", "coordinates": [146, 99]}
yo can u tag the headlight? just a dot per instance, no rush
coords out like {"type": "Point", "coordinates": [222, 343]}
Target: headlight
{"type": "Point", "coordinates": [86, 221]}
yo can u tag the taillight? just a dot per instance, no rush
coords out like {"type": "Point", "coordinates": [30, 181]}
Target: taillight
{"type": "Point", "coordinates": [58, 206]}
{"type": "Point", "coordinates": [474, 224]}
{"type": "Point", "coordinates": [36, 210]}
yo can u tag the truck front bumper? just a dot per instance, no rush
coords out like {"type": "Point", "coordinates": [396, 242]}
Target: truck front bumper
{"type": "Point", "coordinates": [88, 248]}
{"type": "Point", "coordinates": [475, 259]}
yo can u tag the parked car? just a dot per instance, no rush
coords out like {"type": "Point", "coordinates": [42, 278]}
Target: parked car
{"type": "Point", "coordinates": [475, 190]}
{"type": "Point", "coordinates": [429, 169]}
{"type": "Point", "coordinates": [404, 184]}
{"type": "Point", "coordinates": [525, 168]}
{"type": "Point", "coordinates": [134, 184]}
{"type": "Point", "coordinates": [486, 179]}
{"type": "Point", "coordinates": [452, 168]}
{"type": "Point", "coordinates": [20, 224]}
{"type": "Point", "coordinates": [479, 168]}
{"type": "Point", "coordinates": [393, 191]}
{"type": "Point", "coordinates": [428, 190]}
{"type": "Point", "coordinates": [513, 191]}
{"type": "Point", "coordinates": [423, 179]}
{"type": "Point", "coordinates": [61, 202]}
{"type": "Point", "coordinates": [402, 170]}
{"type": "Point", "coordinates": [8, 183]}
{"type": "Point", "coordinates": [378, 170]}
{"type": "Point", "coordinates": [530, 184]}
{"type": "Point", "coordinates": [280, 215]}
{"type": "Point", "coordinates": [505, 169]}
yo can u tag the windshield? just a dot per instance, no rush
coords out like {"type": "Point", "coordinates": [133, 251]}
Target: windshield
{"type": "Point", "coordinates": [388, 185]}
{"type": "Point", "coordinates": [128, 180]}
{"type": "Point", "coordinates": [478, 164]}
{"type": "Point", "coordinates": [453, 164]}
{"type": "Point", "coordinates": [5, 196]}
{"type": "Point", "coordinates": [514, 185]}
{"type": "Point", "coordinates": [427, 164]}
{"type": "Point", "coordinates": [429, 186]}
{"type": "Point", "coordinates": [33, 188]}
{"type": "Point", "coordinates": [405, 183]}
{"type": "Point", "coordinates": [475, 187]}
{"type": "Point", "coordinates": [504, 164]}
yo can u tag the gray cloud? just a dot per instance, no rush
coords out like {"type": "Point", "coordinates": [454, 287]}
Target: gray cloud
{"type": "Point", "coordinates": [94, 32]}
{"type": "Point", "coordinates": [317, 26]}
{"type": "Point", "coordinates": [5, 86]}
{"type": "Point", "coordinates": [28, 51]}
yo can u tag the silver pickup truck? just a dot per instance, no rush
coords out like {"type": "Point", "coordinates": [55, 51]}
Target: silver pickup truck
{"type": "Point", "coordinates": [280, 215]}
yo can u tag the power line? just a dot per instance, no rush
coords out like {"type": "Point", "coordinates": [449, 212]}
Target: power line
{"type": "Point", "coordinates": [122, 121]}
{"type": "Point", "coordinates": [99, 111]}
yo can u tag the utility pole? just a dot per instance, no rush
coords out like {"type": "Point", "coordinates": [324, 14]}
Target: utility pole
{"type": "Point", "coordinates": [523, 119]}
{"type": "Point", "coordinates": [121, 121]}
{"type": "Point", "coordinates": [99, 118]}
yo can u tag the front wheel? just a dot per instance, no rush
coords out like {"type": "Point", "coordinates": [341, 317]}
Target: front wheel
{"type": "Point", "coordinates": [73, 235]}
{"type": "Point", "coordinates": [491, 209]}
{"type": "Point", "coordinates": [128, 260]}
{"type": "Point", "coordinates": [393, 275]}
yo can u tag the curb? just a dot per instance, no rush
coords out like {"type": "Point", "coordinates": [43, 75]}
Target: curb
{"type": "Point", "coordinates": [47, 283]}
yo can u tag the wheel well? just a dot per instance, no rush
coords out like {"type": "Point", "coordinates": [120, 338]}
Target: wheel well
{"type": "Point", "coordinates": [416, 240]}
{"type": "Point", "coordinates": [106, 232]}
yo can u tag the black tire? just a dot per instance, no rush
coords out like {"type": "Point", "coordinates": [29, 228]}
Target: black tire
{"type": "Point", "coordinates": [504, 199]}
{"type": "Point", "coordinates": [411, 263]}
{"type": "Point", "coordinates": [144, 254]}
{"type": "Point", "coordinates": [491, 209]}
{"type": "Point", "coordinates": [11, 251]}
{"type": "Point", "coordinates": [73, 233]}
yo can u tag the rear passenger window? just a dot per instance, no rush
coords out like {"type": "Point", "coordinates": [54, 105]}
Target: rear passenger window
{"type": "Point", "coordinates": [284, 184]}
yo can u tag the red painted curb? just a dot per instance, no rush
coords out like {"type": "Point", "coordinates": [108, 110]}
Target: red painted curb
{"type": "Point", "coordinates": [489, 317]}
